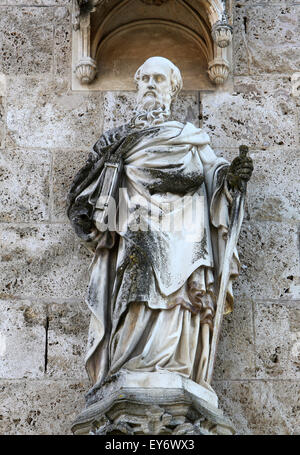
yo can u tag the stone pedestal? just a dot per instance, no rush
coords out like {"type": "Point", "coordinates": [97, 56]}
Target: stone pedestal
{"type": "Point", "coordinates": [159, 403]}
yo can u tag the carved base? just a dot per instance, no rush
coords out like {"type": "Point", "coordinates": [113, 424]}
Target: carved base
{"type": "Point", "coordinates": [152, 404]}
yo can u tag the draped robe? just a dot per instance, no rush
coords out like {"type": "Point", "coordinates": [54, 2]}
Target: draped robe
{"type": "Point", "coordinates": [152, 290]}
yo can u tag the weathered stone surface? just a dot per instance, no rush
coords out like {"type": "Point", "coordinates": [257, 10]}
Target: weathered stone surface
{"type": "Point", "coordinates": [118, 108]}
{"type": "Point", "coordinates": [67, 339]}
{"type": "Point", "coordinates": [261, 407]}
{"type": "Point", "coordinates": [42, 261]}
{"type": "Point", "coordinates": [242, 117]}
{"type": "Point", "coordinates": [265, 2]}
{"type": "Point", "coordinates": [65, 166]}
{"type": "Point", "coordinates": [269, 256]}
{"type": "Point", "coordinates": [266, 39]}
{"type": "Point", "coordinates": [186, 108]}
{"type": "Point", "coordinates": [2, 120]}
{"type": "Point", "coordinates": [2, 85]}
{"type": "Point", "coordinates": [2, 109]}
{"type": "Point", "coordinates": [273, 191]}
{"type": "Point", "coordinates": [62, 42]}
{"type": "Point", "coordinates": [277, 328]}
{"type": "Point", "coordinates": [24, 189]}
{"type": "Point", "coordinates": [235, 355]}
{"type": "Point", "coordinates": [22, 339]}
{"type": "Point", "coordinates": [43, 113]}
{"type": "Point", "coordinates": [38, 2]}
{"type": "Point", "coordinates": [40, 407]}
{"type": "Point", "coordinates": [26, 40]}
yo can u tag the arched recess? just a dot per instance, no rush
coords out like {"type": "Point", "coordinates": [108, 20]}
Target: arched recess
{"type": "Point", "coordinates": [111, 38]}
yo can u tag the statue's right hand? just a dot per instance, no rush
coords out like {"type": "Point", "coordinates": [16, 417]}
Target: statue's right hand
{"type": "Point", "coordinates": [84, 222]}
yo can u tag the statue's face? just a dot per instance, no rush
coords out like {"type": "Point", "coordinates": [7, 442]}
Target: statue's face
{"type": "Point", "coordinates": [154, 85]}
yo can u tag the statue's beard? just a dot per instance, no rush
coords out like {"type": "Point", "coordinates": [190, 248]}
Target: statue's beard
{"type": "Point", "coordinates": [151, 111]}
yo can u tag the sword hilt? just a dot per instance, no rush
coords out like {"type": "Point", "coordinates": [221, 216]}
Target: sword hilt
{"type": "Point", "coordinates": [244, 149]}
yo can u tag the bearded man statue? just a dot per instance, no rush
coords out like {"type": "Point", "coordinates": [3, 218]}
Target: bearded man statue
{"type": "Point", "coordinates": [154, 281]}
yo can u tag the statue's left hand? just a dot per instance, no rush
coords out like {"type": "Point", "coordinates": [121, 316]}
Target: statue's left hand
{"type": "Point", "coordinates": [239, 172]}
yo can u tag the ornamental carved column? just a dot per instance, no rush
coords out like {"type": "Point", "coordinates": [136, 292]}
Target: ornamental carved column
{"type": "Point", "coordinates": [219, 67]}
{"type": "Point", "coordinates": [86, 67]}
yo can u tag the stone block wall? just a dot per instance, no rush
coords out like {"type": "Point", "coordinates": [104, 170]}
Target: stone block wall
{"type": "Point", "coordinates": [46, 132]}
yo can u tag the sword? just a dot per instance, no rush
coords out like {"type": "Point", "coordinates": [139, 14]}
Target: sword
{"type": "Point", "coordinates": [233, 234]}
{"type": "Point", "coordinates": [111, 171]}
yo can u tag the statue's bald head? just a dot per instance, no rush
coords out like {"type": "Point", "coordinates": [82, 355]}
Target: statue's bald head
{"type": "Point", "coordinates": [166, 74]}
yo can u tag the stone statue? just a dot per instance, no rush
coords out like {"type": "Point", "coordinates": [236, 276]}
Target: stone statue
{"type": "Point", "coordinates": [154, 282]}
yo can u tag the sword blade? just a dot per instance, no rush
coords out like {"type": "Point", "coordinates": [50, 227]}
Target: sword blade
{"type": "Point", "coordinates": [233, 234]}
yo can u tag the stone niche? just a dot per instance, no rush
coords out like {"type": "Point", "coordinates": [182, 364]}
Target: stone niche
{"type": "Point", "coordinates": [112, 38]}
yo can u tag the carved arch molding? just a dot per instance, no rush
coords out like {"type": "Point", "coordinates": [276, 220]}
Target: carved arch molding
{"type": "Point", "coordinates": [111, 38]}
